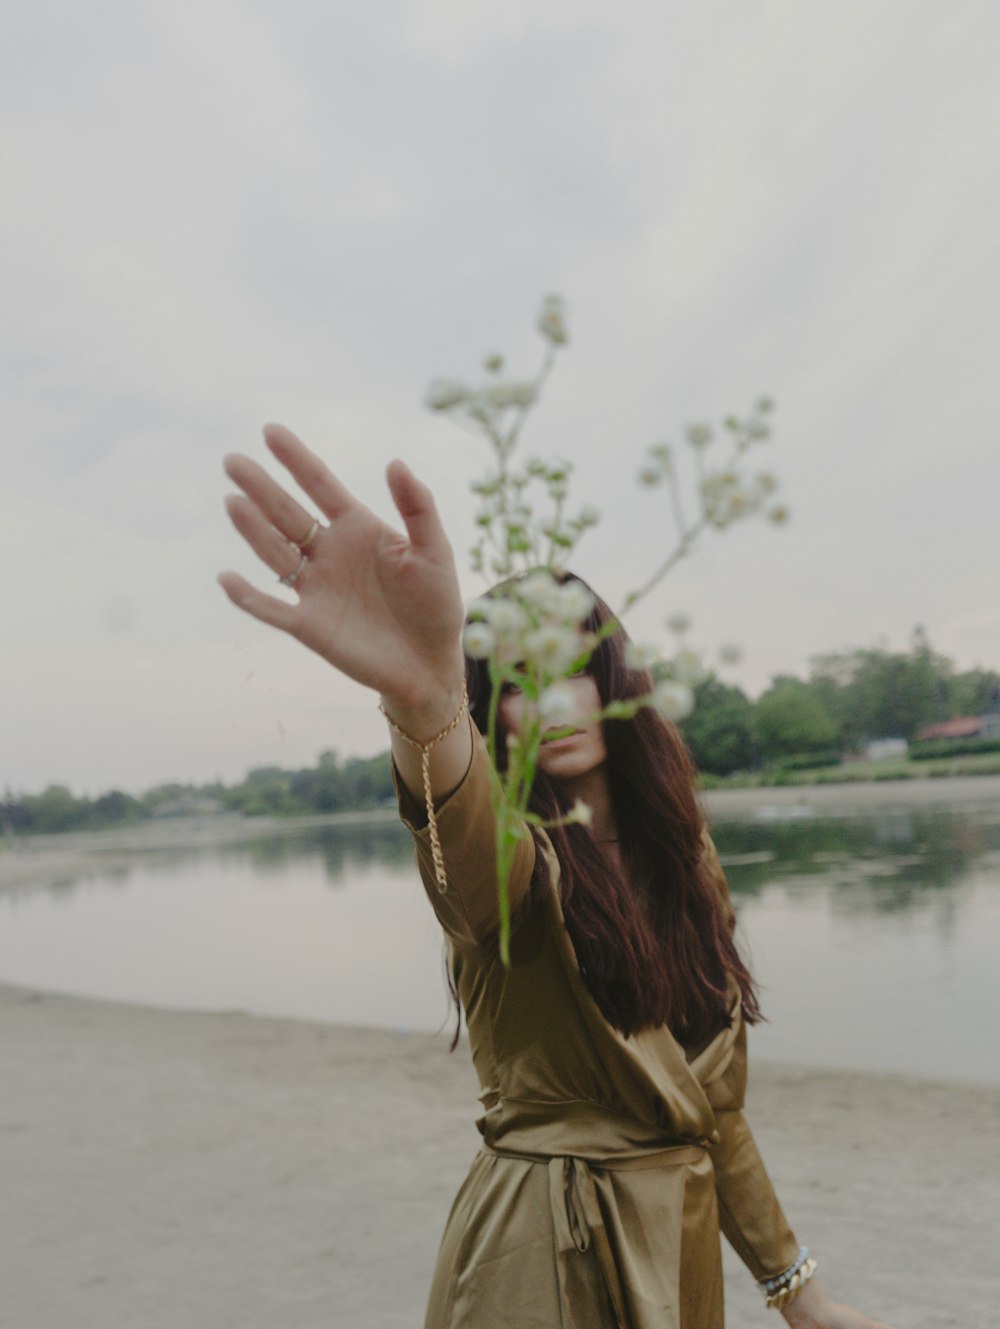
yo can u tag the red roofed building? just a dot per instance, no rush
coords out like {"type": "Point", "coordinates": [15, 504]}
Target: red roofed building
{"type": "Point", "coordinates": [966, 726]}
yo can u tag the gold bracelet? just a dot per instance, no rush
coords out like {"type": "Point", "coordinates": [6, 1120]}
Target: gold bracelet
{"type": "Point", "coordinates": [440, 876]}
{"type": "Point", "coordinates": [785, 1295]}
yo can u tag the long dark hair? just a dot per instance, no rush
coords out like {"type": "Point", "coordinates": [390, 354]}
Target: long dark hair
{"type": "Point", "coordinates": [654, 944]}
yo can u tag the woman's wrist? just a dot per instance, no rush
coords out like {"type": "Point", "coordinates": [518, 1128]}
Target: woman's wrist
{"type": "Point", "coordinates": [422, 714]}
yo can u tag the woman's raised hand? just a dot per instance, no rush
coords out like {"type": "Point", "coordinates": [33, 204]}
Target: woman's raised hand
{"type": "Point", "coordinates": [382, 607]}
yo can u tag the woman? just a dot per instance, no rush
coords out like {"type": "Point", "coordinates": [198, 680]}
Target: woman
{"type": "Point", "coordinates": [611, 1052]}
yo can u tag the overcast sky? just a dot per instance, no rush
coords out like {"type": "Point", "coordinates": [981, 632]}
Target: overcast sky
{"type": "Point", "coordinates": [222, 213]}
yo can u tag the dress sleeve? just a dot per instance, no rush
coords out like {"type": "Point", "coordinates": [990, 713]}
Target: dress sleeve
{"type": "Point", "coordinates": [467, 909]}
{"type": "Point", "coordinates": [749, 1213]}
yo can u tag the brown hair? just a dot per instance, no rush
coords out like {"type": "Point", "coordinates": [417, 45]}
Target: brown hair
{"type": "Point", "coordinates": [654, 945]}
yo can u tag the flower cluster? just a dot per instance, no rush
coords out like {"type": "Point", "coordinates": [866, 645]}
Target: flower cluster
{"type": "Point", "coordinates": [512, 535]}
{"type": "Point", "coordinates": [532, 634]}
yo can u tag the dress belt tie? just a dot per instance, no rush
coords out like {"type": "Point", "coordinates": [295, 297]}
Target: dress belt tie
{"type": "Point", "coordinates": [577, 1220]}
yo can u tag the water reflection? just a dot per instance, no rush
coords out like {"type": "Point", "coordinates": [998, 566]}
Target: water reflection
{"type": "Point", "coordinates": [913, 849]}
{"type": "Point", "coordinates": [872, 934]}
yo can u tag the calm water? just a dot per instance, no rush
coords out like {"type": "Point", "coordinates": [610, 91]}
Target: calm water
{"type": "Point", "coordinates": [874, 936]}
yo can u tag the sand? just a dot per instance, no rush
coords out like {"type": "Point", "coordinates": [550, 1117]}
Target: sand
{"type": "Point", "coordinates": [163, 1170]}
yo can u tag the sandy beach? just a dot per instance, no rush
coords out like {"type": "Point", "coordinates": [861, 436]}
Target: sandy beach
{"type": "Point", "coordinates": [165, 1170]}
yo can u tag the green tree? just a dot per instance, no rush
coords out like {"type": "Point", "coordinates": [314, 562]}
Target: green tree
{"type": "Point", "coordinates": [791, 718]}
{"type": "Point", "coordinates": [718, 731]}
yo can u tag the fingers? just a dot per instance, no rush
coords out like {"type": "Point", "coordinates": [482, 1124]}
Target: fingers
{"type": "Point", "coordinates": [265, 607]}
{"type": "Point", "coordinates": [318, 481]}
{"type": "Point", "coordinates": [415, 504]}
{"type": "Point", "coordinates": [282, 511]}
{"type": "Point", "coordinates": [260, 535]}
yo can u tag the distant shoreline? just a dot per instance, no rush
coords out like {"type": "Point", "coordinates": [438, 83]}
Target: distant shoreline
{"type": "Point", "coordinates": [32, 860]}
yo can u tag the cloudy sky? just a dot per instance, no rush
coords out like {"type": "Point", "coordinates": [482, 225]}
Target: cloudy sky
{"type": "Point", "coordinates": [222, 213]}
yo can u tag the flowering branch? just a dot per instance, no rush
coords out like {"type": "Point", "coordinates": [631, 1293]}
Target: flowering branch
{"type": "Point", "coordinates": [531, 636]}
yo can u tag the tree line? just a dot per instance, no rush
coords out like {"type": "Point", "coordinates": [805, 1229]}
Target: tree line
{"type": "Point", "coordinates": [848, 699]}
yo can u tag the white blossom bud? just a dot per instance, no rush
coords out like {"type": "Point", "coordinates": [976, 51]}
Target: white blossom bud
{"type": "Point", "coordinates": [553, 647]}
{"type": "Point", "coordinates": [444, 393]}
{"type": "Point", "coordinates": [688, 667]}
{"type": "Point", "coordinates": [765, 405]}
{"type": "Point", "coordinates": [580, 814]}
{"type": "Point", "coordinates": [589, 515]}
{"type": "Point", "coordinates": [503, 394]}
{"type": "Point", "coordinates": [557, 706]}
{"type": "Point", "coordinates": [538, 589]}
{"type": "Point", "coordinates": [573, 602]}
{"type": "Point", "coordinates": [699, 436]}
{"type": "Point", "coordinates": [730, 653]}
{"type": "Point", "coordinates": [552, 320]}
{"type": "Point", "coordinates": [507, 619]}
{"type": "Point", "coordinates": [778, 515]}
{"type": "Point", "coordinates": [672, 700]}
{"type": "Point", "coordinates": [650, 474]}
{"type": "Point", "coordinates": [679, 623]}
{"type": "Point", "coordinates": [558, 488]}
{"type": "Point", "coordinates": [493, 363]}
{"type": "Point", "coordinates": [640, 655]}
{"type": "Point", "coordinates": [478, 640]}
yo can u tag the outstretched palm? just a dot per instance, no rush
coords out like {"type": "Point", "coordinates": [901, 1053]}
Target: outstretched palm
{"type": "Point", "coordinates": [382, 607]}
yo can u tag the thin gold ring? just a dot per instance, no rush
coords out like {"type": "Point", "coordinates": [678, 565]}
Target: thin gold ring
{"type": "Point", "coordinates": [308, 538]}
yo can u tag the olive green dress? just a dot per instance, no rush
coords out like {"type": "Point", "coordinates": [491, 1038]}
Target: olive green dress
{"type": "Point", "coordinates": [609, 1164]}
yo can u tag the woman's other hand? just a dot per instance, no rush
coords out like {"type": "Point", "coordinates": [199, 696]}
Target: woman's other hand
{"type": "Point", "coordinates": [813, 1309]}
{"type": "Point", "coordinates": [382, 607]}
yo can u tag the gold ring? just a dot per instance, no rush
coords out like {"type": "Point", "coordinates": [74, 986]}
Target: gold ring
{"type": "Point", "coordinates": [308, 538]}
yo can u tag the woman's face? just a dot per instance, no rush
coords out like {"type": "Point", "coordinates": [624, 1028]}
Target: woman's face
{"type": "Point", "coordinates": [581, 751]}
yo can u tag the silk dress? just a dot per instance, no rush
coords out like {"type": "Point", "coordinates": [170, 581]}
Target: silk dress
{"type": "Point", "coordinates": [609, 1164]}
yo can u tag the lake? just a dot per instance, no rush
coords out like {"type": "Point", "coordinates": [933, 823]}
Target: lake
{"type": "Point", "coordinates": [873, 933]}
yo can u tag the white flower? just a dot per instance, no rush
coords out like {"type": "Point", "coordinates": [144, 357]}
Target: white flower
{"type": "Point", "coordinates": [504, 394]}
{"type": "Point", "coordinates": [480, 608]}
{"type": "Point", "coordinates": [552, 320]}
{"type": "Point", "coordinates": [765, 405]}
{"type": "Point", "coordinates": [444, 393]}
{"type": "Point", "coordinates": [778, 515]}
{"type": "Point", "coordinates": [507, 619]}
{"type": "Point", "coordinates": [699, 436]}
{"type": "Point", "coordinates": [650, 474]}
{"type": "Point", "coordinates": [688, 668]}
{"type": "Point", "coordinates": [758, 429]}
{"type": "Point", "coordinates": [573, 602]}
{"type": "Point", "coordinates": [730, 653]}
{"type": "Point", "coordinates": [589, 515]}
{"type": "Point", "coordinates": [640, 656]}
{"type": "Point", "coordinates": [766, 482]}
{"type": "Point", "coordinates": [553, 647]}
{"type": "Point", "coordinates": [538, 589]}
{"type": "Point", "coordinates": [493, 363]}
{"type": "Point", "coordinates": [557, 706]}
{"type": "Point", "coordinates": [580, 814]}
{"type": "Point", "coordinates": [558, 488]}
{"type": "Point", "coordinates": [679, 623]}
{"type": "Point", "coordinates": [478, 640]}
{"type": "Point", "coordinates": [672, 700]}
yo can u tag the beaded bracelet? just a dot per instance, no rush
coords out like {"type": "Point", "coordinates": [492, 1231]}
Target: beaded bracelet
{"type": "Point", "coordinates": [440, 876]}
{"type": "Point", "coordinates": [783, 1288]}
